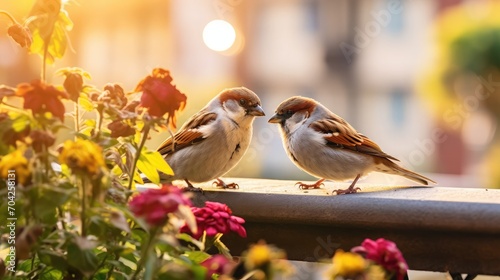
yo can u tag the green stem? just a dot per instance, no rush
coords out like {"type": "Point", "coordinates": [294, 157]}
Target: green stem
{"type": "Point", "coordinates": [2, 12]}
{"type": "Point", "coordinates": [44, 58]}
{"type": "Point", "coordinates": [145, 252]}
{"type": "Point", "coordinates": [61, 216]}
{"type": "Point", "coordinates": [83, 215]}
{"type": "Point", "coordinates": [99, 122]}
{"type": "Point", "coordinates": [99, 267]}
{"type": "Point", "coordinates": [45, 158]}
{"type": "Point", "coordinates": [77, 117]}
{"type": "Point", "coordinates": [145, 133]}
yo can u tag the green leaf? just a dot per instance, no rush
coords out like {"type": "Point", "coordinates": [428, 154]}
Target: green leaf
{"type": "Point", "coordinates": [149, 170]}
{"type": "Point", "coordinates": [46, 199]}
{"type": "Point", "coordinates": [119, 221]}
{"type": "Point", "coordinates": [82, 259]}
{"type": "Point", "coordinates": [197, 256]}
{"type": "Point", "coordinates": [49, 24]}
{"type": "Point", "coordinates": [51, 275]}
{"type": "Point", "coordinates": [188, 238]}
{"type": "Point", "coordinates": [84, 101]}
{"type": "Point", "coordinates": [20, 122]}
{"type": "Point", "coordinates": [53, 258]}
{"type": "Point", "coordinates": [150, 163]}
{"type": "Point", "coordinates": [159, 162]}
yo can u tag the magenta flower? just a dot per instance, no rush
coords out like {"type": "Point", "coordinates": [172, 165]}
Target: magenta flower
{"type": "Point", "coordinates": [217, 264]}
{"type": "Point", "coordinates": [216, 218]}
{"type": "Point", "coordinates": [154, 205]}
{"type": "Point", "coordinates": [386, 254]}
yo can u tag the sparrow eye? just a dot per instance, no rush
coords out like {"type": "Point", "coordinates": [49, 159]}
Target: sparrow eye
{"type": "Point", "coordinates": [289, 112]}
{"type": "Point", "coordinates": [243, 102]}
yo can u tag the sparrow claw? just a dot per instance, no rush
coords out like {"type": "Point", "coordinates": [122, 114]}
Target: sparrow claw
{"type": "Point", "coordinates": [347, 191]}
{"type": "Point", "coordinates": [220, 184]}
{"type": "Point", "coordinates": [191, 188]}
{"type": "Point", "coordinates": [316, 185]}
{"type": "Point", "coordinates": [351, 189]}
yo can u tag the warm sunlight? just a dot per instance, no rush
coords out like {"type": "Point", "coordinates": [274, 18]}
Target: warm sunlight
{"type": "Point", "coordinates": [219, 35]}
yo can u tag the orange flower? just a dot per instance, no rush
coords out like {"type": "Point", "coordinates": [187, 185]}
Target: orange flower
{"type": "Point", "coordinates": [20, 34]}
{"type": "Point", "coordinates": [18, 163]}
{"type": "Point", "coordinates": [41, 98]}
{"type": "Point", "coordinates": [160, 96]}
{"type": "Point", "coordinates": [82, 156]}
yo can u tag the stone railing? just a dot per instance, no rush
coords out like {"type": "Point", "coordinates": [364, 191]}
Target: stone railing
{"type": "Point", "coordinates": [452, 230]}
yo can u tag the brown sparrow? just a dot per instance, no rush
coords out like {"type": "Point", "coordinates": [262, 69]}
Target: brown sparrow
{"type": "Point", "coordinates": [213, 141]}
{"type": "Point", "coordinates": [326, 146]}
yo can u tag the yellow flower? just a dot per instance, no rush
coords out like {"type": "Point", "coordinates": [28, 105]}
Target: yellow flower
{"type": "Point", "coordinates": [258, 255]}
{"type": "Point", "coordinates": [82, 156]}
{"type": "Point", "coordinates": [17, 163]}
{"type": "Point", "coordinates": [266, 261]}
{"type": "Point", "coordinates": [376, 272]}
{"type": "Point", "coordinates": [347, 265]}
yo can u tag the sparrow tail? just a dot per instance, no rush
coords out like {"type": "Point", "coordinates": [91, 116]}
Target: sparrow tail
{"type": "Point", "coordinates": [398, 170]}
{"type": "Point", "coordinates": [412, 175]}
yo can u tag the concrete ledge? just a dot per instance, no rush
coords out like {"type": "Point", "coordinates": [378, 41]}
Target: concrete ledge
{"type": "Point", "coordinates": [437, 229]}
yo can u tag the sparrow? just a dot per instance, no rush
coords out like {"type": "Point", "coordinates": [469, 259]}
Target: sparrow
{"type": "Point", "coordinates": [212, 141]}
{"type": "Point", "coordinates": [327, 147]}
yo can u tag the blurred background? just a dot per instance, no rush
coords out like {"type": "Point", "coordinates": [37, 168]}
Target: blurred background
{"type": "Point", "coordinates": [421, 78]}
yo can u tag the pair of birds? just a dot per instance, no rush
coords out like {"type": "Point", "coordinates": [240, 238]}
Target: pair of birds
{"type": "Point", "coordinates": [319, 142]}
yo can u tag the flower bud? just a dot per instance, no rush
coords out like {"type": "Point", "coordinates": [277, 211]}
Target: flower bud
{"type": "Point", "coordinates": [20, 34]}
{"type": "Point", "coordinates": [73, 84]}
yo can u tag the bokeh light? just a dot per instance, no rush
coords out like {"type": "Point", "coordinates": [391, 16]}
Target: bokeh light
{"type": "Point", "coordinates": [219, 35]}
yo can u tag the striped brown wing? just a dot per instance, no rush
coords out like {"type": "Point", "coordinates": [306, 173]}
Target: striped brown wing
{"type": "Point", "coordinates": [340, 134]}
{"type": "Point", "coordinates": [188, 134]}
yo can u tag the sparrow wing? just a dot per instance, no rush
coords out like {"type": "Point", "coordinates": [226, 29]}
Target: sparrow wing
{"type": "Point", "coordinates": [340, 134]}
{"type": "Point", "coordinates": [188, 134]}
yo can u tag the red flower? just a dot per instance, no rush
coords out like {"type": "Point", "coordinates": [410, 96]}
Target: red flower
{"type": "Point", "coordinates": [120, 129]}
{"type": "Point", "coordinates": [386, 254]}
{"type": "Point", "coordinates": [216, 218]}
{"type": "Point", "coordinates": [154, 204]}
{"type": "Point", "coordinates": [160, 96]}
{"type": "Point", "coordinates": [41, 98]}
{"type": "Point", "coordinates": [217, 264]}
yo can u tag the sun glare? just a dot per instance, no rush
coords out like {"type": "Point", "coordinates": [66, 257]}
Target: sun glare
{"type": "Point", "coordinates": [219, 35]}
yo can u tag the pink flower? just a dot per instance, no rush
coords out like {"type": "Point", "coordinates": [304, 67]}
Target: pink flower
{"type": "Point", "coordinates": [160, 96]}
{"type": "Point", "coordinates": [217, 264]}
{"type": "Point", "coordinates": [155, 204]}
{"type": "Point", "coordinates": [216, 218]}
{"type": "Point", "coordinates": [386, 254]}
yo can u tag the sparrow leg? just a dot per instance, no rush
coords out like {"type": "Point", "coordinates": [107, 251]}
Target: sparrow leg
{"type": "Point", "coordinates": [351, 188]}
{"type": "Point", "coordinates": [219, 183]}
{"type": "Point", "coordinates": [316, 185]}
{"type": "Point", "coordinates": [191, 188]}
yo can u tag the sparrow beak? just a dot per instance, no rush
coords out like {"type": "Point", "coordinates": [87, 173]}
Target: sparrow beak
{"type": "Point", "coordinates": [275, 119]}
{"type": "Point", "coordinates": [256, 111]}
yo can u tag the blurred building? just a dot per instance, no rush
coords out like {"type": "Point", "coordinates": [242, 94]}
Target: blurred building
{"type": "Point", "coordinates": [362, 59]}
